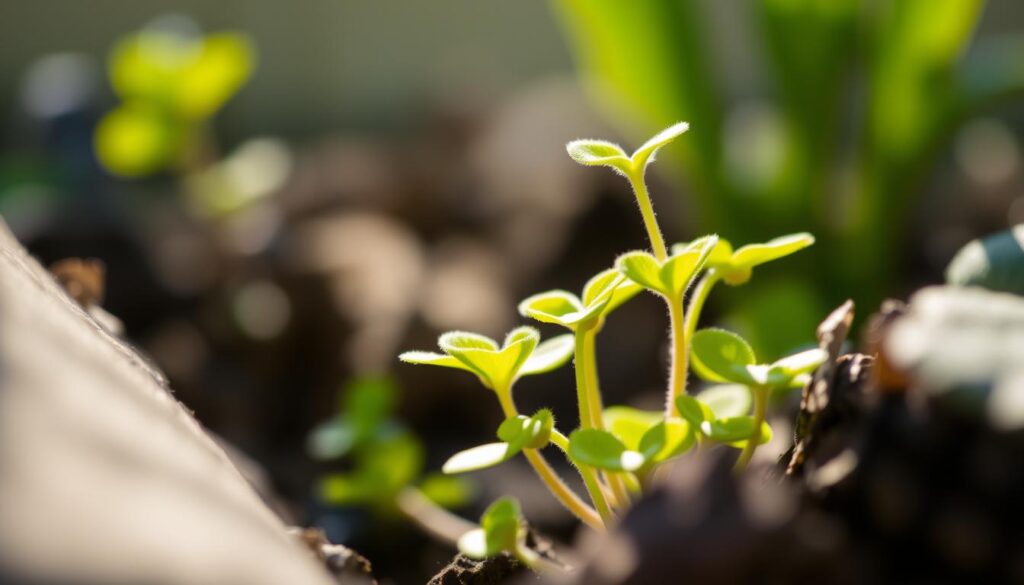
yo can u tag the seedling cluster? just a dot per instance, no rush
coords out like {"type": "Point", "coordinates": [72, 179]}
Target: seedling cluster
{"type": "Point", "coordinates": [617, 450]}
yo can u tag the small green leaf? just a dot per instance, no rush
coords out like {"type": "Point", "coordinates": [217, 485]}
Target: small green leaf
{"type": "Point", "coordinates": [667, 439]}
{"type": "Point", "coordinates": [752, 255]}
{"type": "Point", "coordinates": [481, 354]}
{"type": "Point", "coordinates": [678, 271]}
{"type": "Point", "coordinates": [598, 153]}
{"type": "Point", "coordinates": [693, 410]}
{"type": "Point", "coordinates": [995, 262]}
{"type": "Point", "coordinates": [720, 356]}
{"type": "Point", "coordinates": [800, 363]}
{"type": "Point", "coordinates": [549, 355]}
{"type": "Point", "coordinates": [479, 457]}
{"type": "Point", "coordinates": [447, 491]}
{"type": "Point", "coordinates": [533, 432]}
{"type": "Point", "coordinates": [645, 154]}
{"type": "Point", "coordinates": [462, 340]}
{"type": "Point", "coordinates": [629, 424]}
{"type": "Point", "coordinates": [643, 269]}
{"type": "Point", "coordinates": [763, 437]}
{"type": "Point", "coordinates": [727, 400]}
{"type": "Point", "coordinates": [613, 284]}
{"type": "Point", "coordinates": [720, 255]}
{"type": "Point", "coordinates": [728, 430]}
{"type": "Point", "coordinates": [502, 524]}
{"type": "Point", "coordinates": [601, 284]}
{"type": "Point", "coordinates": [558, 307]}
{"type": "Point", "coordinates": [433, 359]}
{"type": "Point", "coordinates": [602, 450]}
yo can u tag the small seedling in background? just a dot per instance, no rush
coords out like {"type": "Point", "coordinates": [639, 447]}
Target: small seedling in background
{"type": "Point", "coordinates": [387, 461]}
{"type": "Point", "coordinates": [170, 81]}
{"type": "Point", "coordinates": [502, 529]}
{"type": "Point", "coordinates": [616, 449]}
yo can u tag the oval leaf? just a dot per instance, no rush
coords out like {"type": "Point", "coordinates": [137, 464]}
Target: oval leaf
{"type": "Point", "coordinates": [643, 269]}
{"type": "Point", "coordinates": [590, 152]}
{"type": "Point", "coordinates": [602, 450]}
{"type": "Point", "coordinates": [800, 363]}
{"type": "Point", "coordinates": [720, 355]}
{"type": "Point", "coordinates": [666, 439]}
{"type": "Point", "coordinates": [727, 400]}
{"type": "Point", "coordinates": [629, 424]}
{"type": "Point", "coordinates": [693, 410]}
{"type": "Point", "coordinates": [558, 307]}
{"type": "Point", "coordinates": [549, 355]}
{"type": "Point", "coordinates": [645, 154]}
{"type": "Point", "coordinates": [679, 270]}
{"type": "Point", "coordinates": [752, 255]}
{"type": "Point", "coordinates": [476, 458]}
{"type": "Point", "coordinates": [728, 430]}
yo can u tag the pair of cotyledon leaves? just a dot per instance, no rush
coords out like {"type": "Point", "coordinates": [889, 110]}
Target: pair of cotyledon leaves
{"type": "Point", "coordinates": [633, 272]}
{"type": "Point", "coordinates": [735, 266]}
{"type": "Point", "coordinates": [497, 366]}
{"type": "Point", "coordinates": [516, 433]}
{"type": "Point", "coordinates": [592, 152]}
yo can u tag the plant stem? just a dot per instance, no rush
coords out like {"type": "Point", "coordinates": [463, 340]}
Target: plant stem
{"type": "Point", "coordinates": [562, 493]}
{"type": "Point", "coordinates": [643, 198]}
{"type": "Point", "coordinates": [589, 386]}
{"type": "Point", "coordinates": [583, 393]}
{"type": "Point", "coordinates": [586, 355]}
{"type": "Point", "coordinates": [760, 407]}
{"type": "Point", "coordinates": [431, 518]}
{"type": "Point", "coordinates": [680, 362]}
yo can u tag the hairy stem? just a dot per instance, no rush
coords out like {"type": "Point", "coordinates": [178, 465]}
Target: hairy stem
{"type": "Point", "coordinates": [760, 408]}
{"type": "Point", "coordinates": [643, 198]}
{"type": "Point", "coordinates": [586, 344]}
{"type": "Point", "coordinates": [680, 362]}
{"type": "Point", "coordinates": [431, 518]}
{"type": "Point", "coordinates": [556, 486]}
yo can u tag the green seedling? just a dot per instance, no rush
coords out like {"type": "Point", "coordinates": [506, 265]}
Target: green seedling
{"type": "Point", "coordinates": [502, 529]}
{"type": "Point", "coordinates": [723, 356]}
{"type": "Point", "coordinates": [616, 449]}
{"type": "Point", "coordinates": [386, 460]}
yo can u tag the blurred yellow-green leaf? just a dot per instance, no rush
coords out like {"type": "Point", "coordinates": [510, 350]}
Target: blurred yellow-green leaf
{"type": "Point", "coordinates": [134, 140]}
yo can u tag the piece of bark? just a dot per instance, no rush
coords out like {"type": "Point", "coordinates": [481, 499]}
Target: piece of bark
{"type": "Point", "coordinates": [104, 476]}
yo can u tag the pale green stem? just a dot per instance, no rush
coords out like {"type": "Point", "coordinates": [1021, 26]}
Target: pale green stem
{"type": "Point", "coordinates": [586, 343]}
{"type": "Point", "coordinates": [565, 496]}
{"type": "Point", "coordinates": [431, 518]}
{"type": "Point", "coordinates": [643, 198]}
{"type": "Point", "coordinates": [583, 393]}
{"type": "Point", "coordinates": [760, 407]}
{"type": "Point", "coordinates": [680, 365]}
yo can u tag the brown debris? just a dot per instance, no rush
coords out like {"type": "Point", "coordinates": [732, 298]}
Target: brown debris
{"type": "Point", "coordinates": [83, 279]}
{"type": "Point", "coordinates": [344, 564]}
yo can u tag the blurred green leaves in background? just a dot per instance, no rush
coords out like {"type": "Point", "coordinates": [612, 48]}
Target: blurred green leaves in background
{"type": "Point", "coordinates": [170, 80]}
{"type": "Point", "coordinates": [860, 97]}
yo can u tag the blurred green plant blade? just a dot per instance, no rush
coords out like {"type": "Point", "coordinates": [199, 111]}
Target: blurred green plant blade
{"type": "Point", "coordinates": [447, 491]}
{"type": "Point", "coordinates": [646, 61]}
